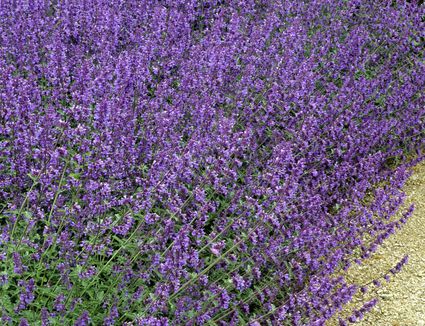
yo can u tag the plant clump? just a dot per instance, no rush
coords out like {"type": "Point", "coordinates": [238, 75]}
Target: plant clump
{"type": "Point", "coordinates": [200, 162]}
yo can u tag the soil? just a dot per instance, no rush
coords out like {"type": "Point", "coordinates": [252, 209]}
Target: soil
{"type": "Point", "coordinates": [402, 299]}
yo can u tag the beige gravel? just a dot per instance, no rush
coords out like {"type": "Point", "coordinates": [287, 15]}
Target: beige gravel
{"type": "Point", "coordinates": [402, 300]}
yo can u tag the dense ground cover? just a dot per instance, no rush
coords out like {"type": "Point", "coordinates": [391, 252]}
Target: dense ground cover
{"type": "Point", "coordinates": [200, 162]}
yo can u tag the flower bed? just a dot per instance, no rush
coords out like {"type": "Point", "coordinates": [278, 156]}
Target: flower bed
{"type": "Point", "coordinates": [200, 162]}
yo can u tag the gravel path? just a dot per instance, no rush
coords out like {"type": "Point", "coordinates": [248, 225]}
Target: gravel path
{"type": "Point", "coordinates": [402, 299]}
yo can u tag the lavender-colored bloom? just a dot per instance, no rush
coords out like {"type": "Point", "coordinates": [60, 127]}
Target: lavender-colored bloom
{"type": "Point", "coordinates": [396, 269]}
{"type": "Point", "coordinates": [45, 317]}
{"type": "Point", "coordinates": [89, 272]}
{"type": "Point", "coordinates": [5, 318]}
{"type": "Point", "coordinates": [59, 305]}
{"type": "Point", "coordinates": [152, 321]}
{"type": "Point", "coordinates": [26, 296]}
{"type": "Point", "coordinates": [111, 318]}
{"type": "Point", "coordinates": [3, 279]}
{"type": "Point", "coordinates": [18, 268]}
{"type": "Point", "coordinates": [125, 227]}
{"type": "Point", "coordinates": [217, 247]}
{"type": "Point", "coordinates": [83, 320]}
{"type": "Point", "coordinates": [23, 322]}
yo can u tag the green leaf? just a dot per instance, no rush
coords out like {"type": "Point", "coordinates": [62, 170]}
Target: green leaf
{"type": "Point", "coordinates": [100, 295]}
{"type": "Point", "coordinates": [27, 214]}
{"type": "Point", "coordinates": [6, 303]}
{"type": "Point", "coordinates": [75, 175]}
{"type": "Point", "coordinates": [289, 269]}
{"type": "Point", "coordinates": [32, 177]}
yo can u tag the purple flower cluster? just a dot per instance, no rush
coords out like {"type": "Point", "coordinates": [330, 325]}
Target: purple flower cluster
{"type": "Point", "coordinates": [359, 314]}
{"type": "Point", "coordinates": [183, 162]}
{"type": "Point", "coordinates": [26, 295]}
{"type": "Point", "coordinates": [397, 268]}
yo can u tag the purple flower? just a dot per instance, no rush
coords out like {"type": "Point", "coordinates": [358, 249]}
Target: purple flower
{"type": "Point", "coordinates": [152, 321]}
{"type": "Point", "coordinates": [83, 320]}
{"type": "Point", "coordinates": [23, 322]}
{"type": "Point", "coordinates": [26, 295]}
{"type": "Point", "coordinates": [18, 267]}
{"type": "Point", "coordinates": [239, 282]}
{"type": "Point", "coordinates": [45, 317]}
{"type": "Point", "coordinates": [89, 272]}
{"type": "Point", "coordinates": [3, 279]}
{"type": "Point", "coordinates": [217, 247]}
{"type": "Point", "coordinates": [112, 316]}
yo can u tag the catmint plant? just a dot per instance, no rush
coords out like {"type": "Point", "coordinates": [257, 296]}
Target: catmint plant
{"type": "Point", "coordinates": [201, 162]}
